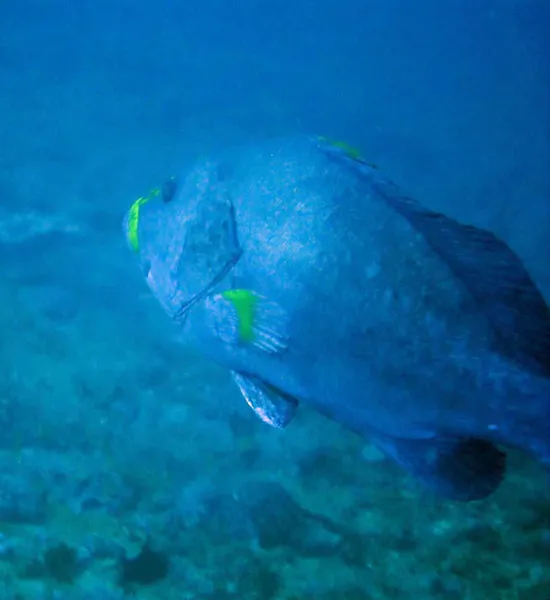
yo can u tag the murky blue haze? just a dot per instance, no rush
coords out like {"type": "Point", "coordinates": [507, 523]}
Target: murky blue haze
{"type": "Point", "coordinates": [130, 467]}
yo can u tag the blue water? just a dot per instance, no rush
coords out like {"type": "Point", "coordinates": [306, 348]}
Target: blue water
{"type": "Point", "coordinates": [129, 466]}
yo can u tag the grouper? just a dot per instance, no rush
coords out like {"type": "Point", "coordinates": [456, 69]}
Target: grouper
{"type": "Point", "coordinates": [314, 280]}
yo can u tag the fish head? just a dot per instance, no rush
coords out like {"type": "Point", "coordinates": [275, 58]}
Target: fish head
{"type": "Point", "coordinates": [185, 238]}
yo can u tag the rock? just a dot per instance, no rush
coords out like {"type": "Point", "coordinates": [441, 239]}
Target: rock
{"type": "Point", "coordinates": [16, 228]}
{"type": "Point", "coordinates": [279, 520]}
{"type": "Point", "coordinates": [54, 302]}
{"type": "Point", "coordinates": [21, 500]}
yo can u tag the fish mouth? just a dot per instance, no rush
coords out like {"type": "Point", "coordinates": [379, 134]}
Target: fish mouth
{"type": "Point", "coordinates": [181, 314]}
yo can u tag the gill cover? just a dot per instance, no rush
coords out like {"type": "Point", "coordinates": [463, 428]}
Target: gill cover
{"type": "Point", "coordinates": [211, 246]}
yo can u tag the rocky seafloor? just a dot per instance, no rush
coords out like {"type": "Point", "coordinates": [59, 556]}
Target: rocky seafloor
{"type": "Point", "coordinates": [129, 468]}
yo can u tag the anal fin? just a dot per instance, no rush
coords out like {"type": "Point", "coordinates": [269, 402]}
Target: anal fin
{"type": "Point", "coordinates": [270, 404]}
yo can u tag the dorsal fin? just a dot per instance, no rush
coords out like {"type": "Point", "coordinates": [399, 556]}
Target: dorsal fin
{"type": "Point", "coordinates": [493, 274]}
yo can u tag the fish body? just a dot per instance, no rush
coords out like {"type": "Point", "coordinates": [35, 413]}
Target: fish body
{"type": "Point", "coordinates": [297, 266]}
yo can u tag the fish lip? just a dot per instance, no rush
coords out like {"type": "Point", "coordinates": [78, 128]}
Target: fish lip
{"type": "Point", "coordinates": [181, 314]}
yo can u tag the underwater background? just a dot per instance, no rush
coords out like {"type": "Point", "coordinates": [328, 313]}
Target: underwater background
{"type": "Point", "coordinates": [129, 466]}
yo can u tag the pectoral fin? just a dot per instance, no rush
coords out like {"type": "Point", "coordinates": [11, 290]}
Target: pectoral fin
{"type": "Point", "coordinates": [245, 318]}
{"type": "Point", "coordinates": [270, 404]}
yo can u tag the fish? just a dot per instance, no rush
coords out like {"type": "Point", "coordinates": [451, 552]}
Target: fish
{"type": "Point", "coordinates": [298, 266]}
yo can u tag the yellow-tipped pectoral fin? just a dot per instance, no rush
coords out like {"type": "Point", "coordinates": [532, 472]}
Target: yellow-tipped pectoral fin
{"type": "Point", "coordinates": [245, 318]}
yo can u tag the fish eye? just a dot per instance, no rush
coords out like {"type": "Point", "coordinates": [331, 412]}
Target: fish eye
{"type": "Point", "coordinates": [169, 188]}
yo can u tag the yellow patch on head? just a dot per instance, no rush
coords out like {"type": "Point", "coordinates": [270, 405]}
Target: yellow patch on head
{"type": "Point", "coordinates": [347, 149]}
{"type": "Point", "coordinates": [133, 218]}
